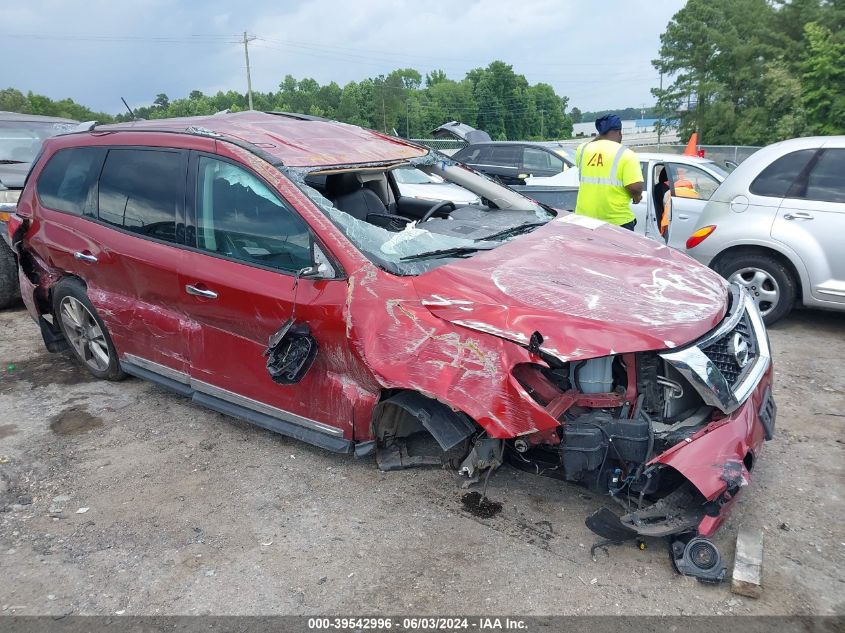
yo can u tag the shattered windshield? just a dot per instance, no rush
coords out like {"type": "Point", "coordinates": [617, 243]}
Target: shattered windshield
{"type": "Point", "coordinates": [20, 141]}
{"type": "Point", "coordinates": [407, 235]}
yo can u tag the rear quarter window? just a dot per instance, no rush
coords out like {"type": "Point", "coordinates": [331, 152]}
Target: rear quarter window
{"type": "Point", "coordinates": [68, 181]}
{"type": "Point", "coordinates": [826, 180]}
{"type": "Point", "coordinates": [776, 179]}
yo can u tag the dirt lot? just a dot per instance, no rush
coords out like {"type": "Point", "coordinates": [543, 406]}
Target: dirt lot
{"type": "Point", "coordinates": [192, 512]}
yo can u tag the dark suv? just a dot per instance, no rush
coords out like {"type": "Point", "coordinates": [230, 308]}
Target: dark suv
{"type": "Point", "coordinates": [514, 161]}
{"type": "Point", "coordinates": [21, 136]}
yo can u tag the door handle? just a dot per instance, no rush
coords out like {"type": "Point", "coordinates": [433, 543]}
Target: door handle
{"type": "Point", "coordinates": [85, 257]}
{"type": "Point", "coordinates": [798, 215]}
{"type": "Point", "coordinates": [199, 292]}
{"type": "Point", "coordinates": [682, 216]}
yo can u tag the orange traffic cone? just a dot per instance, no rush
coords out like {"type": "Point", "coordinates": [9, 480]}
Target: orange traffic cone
{"type": "Point", "coordinates": [692, 146]}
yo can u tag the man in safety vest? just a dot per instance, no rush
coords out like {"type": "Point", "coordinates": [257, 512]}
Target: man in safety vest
{"type": "Point", "coordinates": [610, 176]}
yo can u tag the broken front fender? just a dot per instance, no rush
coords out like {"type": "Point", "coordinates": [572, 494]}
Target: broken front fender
{"type": "Point", "coordinates": [718, 459]}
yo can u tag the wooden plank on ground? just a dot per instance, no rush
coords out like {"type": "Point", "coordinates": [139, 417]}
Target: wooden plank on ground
{"type": "Point", "coordinates": [748, 564]}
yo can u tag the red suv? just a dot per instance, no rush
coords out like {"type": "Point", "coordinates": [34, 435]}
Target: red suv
{"type": "Point", "coordinates": [266, 266]}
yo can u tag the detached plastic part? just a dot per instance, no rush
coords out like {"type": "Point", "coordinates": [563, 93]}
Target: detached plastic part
{"type": "Point", "coordinates": [699, 558]}
{"type": "Point", "coordinates": [290, 353]}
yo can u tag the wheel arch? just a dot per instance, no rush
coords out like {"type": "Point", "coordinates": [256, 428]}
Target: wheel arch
{"type": "Point", "coordinates": [798, 274]}
{"type": "Point", "coordinates": [403, 411]}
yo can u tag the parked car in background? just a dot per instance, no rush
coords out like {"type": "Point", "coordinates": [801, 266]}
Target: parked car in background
{"type": "Point", "coordinates": [501, 329]}
{"type": "Point", "coordinates": [512, 162]}
{"type": "Point", "coordinates": [415, 183]}
{"type": "Point", "coordinates": [776, 226]}
{"type": "Point", "coordinates": [690, 180]}
{"type": "Point", "coordinates": [21, 136]}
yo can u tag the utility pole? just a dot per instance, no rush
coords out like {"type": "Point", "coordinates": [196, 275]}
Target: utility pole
{"type": "Point", "coordinates": [660, 121]}
{"type": "Point", "coordinates": [383, 111]}
{"type": "Point", "coordinates": [247, 40]}
{"type": "Point", "coordinates": [542, 126]}
{"type": "Point", "coordinates": [407, 118]}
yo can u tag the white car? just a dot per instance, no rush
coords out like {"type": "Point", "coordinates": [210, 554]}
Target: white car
{"type": "Point", "coordinates": [777, 226]}
{"type": "Point", "coordinates": [415, 183]}
{"type": "Point", "coordinates": [692, 181]}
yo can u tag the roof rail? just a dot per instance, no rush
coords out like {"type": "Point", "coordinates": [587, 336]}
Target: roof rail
{"type": "Point", "coordinates": [85, 126]}
{"type": "Point", "coordinates": [298, 116]}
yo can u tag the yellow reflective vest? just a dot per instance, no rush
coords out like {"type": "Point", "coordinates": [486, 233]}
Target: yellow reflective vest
{"type": "Point", "coordinates": [605, 168]}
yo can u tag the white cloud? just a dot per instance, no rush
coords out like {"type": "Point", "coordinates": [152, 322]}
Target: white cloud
{"type": "Point", "coordinates": [598, 60]}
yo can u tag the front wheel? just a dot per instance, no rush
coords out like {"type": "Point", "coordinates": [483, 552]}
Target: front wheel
{"type": "Point", "coordinates": [767, 281]}
{"type": "Point", "coordinates": [10, 292]}
{"type": "Point", "coordinates": [84, 331]}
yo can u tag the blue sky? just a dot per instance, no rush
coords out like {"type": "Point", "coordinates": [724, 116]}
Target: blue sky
{"type": "Point", "coordinates": [98, 51]}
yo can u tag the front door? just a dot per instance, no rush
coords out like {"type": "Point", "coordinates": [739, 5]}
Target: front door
{"type": "Point", "coordinates": [691, 189]}
{"type": "Point", "coordinates": [241, 284]}
{"type": "Point", "coordinates": [811, 221]}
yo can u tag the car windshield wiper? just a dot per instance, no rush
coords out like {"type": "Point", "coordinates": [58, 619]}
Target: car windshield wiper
{"type": "Point", "coordinates": [457, 251]}
{"type": "Point", "coordinates": [514, 230]}
{"type": "Point", "coordinates": [9, 161]}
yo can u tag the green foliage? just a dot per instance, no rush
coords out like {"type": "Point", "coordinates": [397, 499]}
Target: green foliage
{"type": "Point", "coordinates": [622, 113]}
{"type": "Point", "coordinates": [12, 100]}
{"type": "Point", "coordinates": [754, 71]}
{"type": "Point", "coordinates": [824, 80]}
{"type": "Point", "coordinates": [492, 98]}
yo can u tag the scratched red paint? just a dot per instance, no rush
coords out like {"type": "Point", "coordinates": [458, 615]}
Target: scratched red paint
{"type": "Point", "coordinates": [454, 333]}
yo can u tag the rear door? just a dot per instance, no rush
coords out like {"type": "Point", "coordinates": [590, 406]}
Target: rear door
{"type": "Point", "coordinates": [811, 221]}
{"type": "Point", "coordinates": [504, 161]}
{"type": "Point", "coordinates": [120, 234]}
{"type": "Point", "coordinates": [239, 284]}
{"type": "Point", "coordinates": [539, 162]}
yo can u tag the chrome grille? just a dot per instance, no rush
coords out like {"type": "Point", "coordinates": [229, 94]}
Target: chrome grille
{"type": "Point", "coordinates": [723, 357]}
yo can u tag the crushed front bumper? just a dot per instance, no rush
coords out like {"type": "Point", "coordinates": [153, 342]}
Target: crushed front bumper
{"type": "Point", "coordinates": [731, 369]}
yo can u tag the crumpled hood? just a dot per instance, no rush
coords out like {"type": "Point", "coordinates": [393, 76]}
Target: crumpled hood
{"type": "Point", "coordinates": [590, 289]}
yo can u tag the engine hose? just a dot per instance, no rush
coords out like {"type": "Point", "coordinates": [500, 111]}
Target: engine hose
{"type": "Point", "coordinates": [575, 373]}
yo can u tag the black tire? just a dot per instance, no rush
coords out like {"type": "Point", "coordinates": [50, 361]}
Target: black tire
{"type": "Point", "coordinates": [762, 275]}
{"type": "Point", "coordinates": [87, 343]}
{"type": "Point", "coordinates": [10, 289]}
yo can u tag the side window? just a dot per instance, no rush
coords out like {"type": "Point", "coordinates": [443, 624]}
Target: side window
{"type": "Point", "coordinates": [826, 180]}
{"type": "Point", "coordinates": [143, 190]}
{"type": "Point", "coordinates": [533, 158]}
{"type": "Point", "coordinates": [505, 155]}
{"type": "Point", "coordinates": [238, 216]}
{"type": "Point", "coordinates": [691, 182]}
{"type": "Point", "coordinates": [776, 179]}
{"type": "Point", "coordinates": [68, 182]}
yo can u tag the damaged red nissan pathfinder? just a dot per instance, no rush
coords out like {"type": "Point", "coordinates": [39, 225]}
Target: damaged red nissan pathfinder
{"type": "Point", "coordinates": [266, 266]}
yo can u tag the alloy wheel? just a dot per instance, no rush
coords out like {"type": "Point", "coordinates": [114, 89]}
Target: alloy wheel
{"type": "Point", "coordinates": [84, 334]}
{"type": "Point", "coordinates": [762, 287]}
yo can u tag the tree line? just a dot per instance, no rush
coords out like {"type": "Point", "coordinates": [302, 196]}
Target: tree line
{"type": "Point", "coordinates": [746, 72]}
{"type": "Point", "coordinates": [495, 99]}
{"type": "Point", "coordinates": [751, 72]}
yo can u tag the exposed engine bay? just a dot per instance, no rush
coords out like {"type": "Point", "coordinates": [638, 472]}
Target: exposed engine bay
{"type": "Point", "coordinates": [607, 436]}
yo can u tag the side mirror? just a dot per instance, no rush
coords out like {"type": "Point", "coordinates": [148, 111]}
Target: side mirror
{"type": "Point", "coordinates": [313, 272]}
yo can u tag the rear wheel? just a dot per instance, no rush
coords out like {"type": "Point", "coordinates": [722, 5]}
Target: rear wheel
{"type": "Point", "coordinates": [85, 331]}
{"type": "Point", "coordinates": [769, 282]}
{"type": "Point", "coordinates": [10, 291]}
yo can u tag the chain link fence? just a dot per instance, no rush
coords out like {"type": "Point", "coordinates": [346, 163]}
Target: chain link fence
{"type": "Point", "coordinates": [446, 145]}
{"type": "Point", "coordinates": [716, 153]}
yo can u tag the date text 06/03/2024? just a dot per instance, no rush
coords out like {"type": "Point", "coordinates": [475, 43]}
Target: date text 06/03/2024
{"type": "Point", "coordinates": [418, 624]}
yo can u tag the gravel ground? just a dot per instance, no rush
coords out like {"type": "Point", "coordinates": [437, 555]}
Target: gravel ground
{"type": "Point", "coordinates": [123, 498]}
